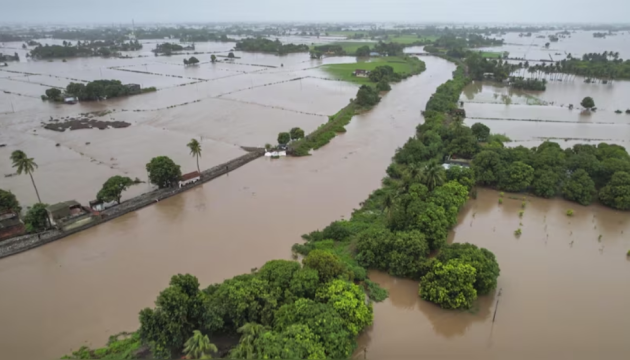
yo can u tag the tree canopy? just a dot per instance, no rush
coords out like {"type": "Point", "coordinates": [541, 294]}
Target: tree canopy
{"type": "Point", "coordinates": [112, 188]}
{"type": "Point", "coordinates": [450, 284]}
{"type": "Point", "coordinates": [163, 172]}
{"type": "Point", "coordinates": [588, 103]}
{"type": "Point", "coordinates": [8, 202]}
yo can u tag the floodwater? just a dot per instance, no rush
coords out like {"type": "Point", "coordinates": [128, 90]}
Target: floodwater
{"type": "Point", "coordinates": [563, 285]}
{"type": "Point", "coordinates": [83, 288]}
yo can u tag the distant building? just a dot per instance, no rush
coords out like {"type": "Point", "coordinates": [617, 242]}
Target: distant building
{"type": "Point", "coordinates": [189, 178]}
{"type": "Point", "coordinates": [70, 100]}
{"type": "Point", "coordinates": [488, 75]}
{"type": "Point", "coordinates": [133, 88]}
{"type": "Point", "coordinates": [68, 214]}
{"type": "Point", "coordinates": [10, 225]}
{"type": "Point", "coordinates": [361, 73]}
{"type": "Point", "coordinates": [374, 53]}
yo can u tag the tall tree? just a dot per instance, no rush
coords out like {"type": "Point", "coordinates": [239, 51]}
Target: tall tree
{"type": "Point", "coordinates": [195, 150]}
{"type": "Point", "coordinates": [112, 188]}
{"type": "Point", "coordinates": [9, 202]}
{"type": "Point", "coordinates": [433, 175]}
{"type": "Point", "coordinates": [199, 346]}
{"type": "Point", "coordinates": [25, 165]}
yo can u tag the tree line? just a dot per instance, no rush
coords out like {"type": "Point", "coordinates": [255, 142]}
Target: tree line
{"type": "Point", "coordinates": [92, 48]}
{"type": "Point", "coordinates": [269, 46]}
{"type": "Point", "coordinates": [94, 90]}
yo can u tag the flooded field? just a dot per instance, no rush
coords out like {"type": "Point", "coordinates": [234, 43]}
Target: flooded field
{"type": "Point", "coordinates": [98, 280]}
{"type": "Point", "coordinates": [535, 116]}
{"type": "Point", "coordinates": [563, 287]}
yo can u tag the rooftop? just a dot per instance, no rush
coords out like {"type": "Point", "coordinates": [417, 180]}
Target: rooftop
{"type": "Point", "coordinates": [62, 205]}
{"type": "Point", "coordinates": [191, 175]}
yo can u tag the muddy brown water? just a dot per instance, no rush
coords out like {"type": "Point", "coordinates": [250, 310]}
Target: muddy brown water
{"type": "Point", "coordinates": [85, 287]}
{"type": "Point", "coordinates": [564, 289]}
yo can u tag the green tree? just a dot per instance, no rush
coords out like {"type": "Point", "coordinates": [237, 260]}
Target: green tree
{"type": "Point", "coordinates": [163, 172]}
{"type": "Point", "coordinates": [484, 262]}
{"type": "Point", "coordinates": [579, 187]}
{"type": "Point", "coordinates": [8, 202]}
{"type": "Point", "coordinates": [349, 301]}
{"type": "Point", "coordinates": [408, 249]}
{"type": "Point", "coordinates": [53, 93]}
{"type": "Point", "coordinates": [516, 177]}
{"type": "Point", "coordinates": [450, 285]}
{"type": "Point", "coordinates": [383, 85]}
{"type": "Point", "coordinates": [588, 103]}
{"type": "Point", "coordinates": [367, 96]}
{"type": "Point", "coordinates": [328, 265]}
{"type": "Point", "coordinates": [296, 342]}
{"type": "Point", "coordinates": [363, 51]}
{"type": "Point", "coordinates": [433, 175]}
{"type": "Point", "coordinates": [296, 133]}
{"type": "Point", "coordinates": [545, 183]}
{"type": "Point", "coordinates": [304, 283]}
{"type": "Point", "coordinates": [487, 166]}
{"type": "Point", "coordinates": [246, 348]}
{"type": "Point", "coordinates": [481, 131]}
{"type": "Point", "coordinates": [25, 165]}
{"type": "Point", "coordinates": [195, 151]}
{"type": "Point", "coordinates": [231, 55]}
{"type": "Point", "coordinates": [179, 311]}
{"type": "Point", "coordinates": [112, 188]}
{"type": "Point", "coordinates": [193, 60]}
{"type": "Point", "coordinates": [36, 218]}
{"type": "Point", "coordinates": [616, 193]}
{"type": "Point", "coordinates": [324, 321]}
{"type": "Point", "coordinates": [213, 58]}
{"type": "Point", "coordinates": [284, 138]}
{"type": "Point", "coordinates": [76, 89]}
{"type": "Point", "coordinates": [198, 346]}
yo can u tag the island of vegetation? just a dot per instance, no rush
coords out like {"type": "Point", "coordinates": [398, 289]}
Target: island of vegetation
{"type": "Point", "coordinates": [83, 49]}
{"type": "Point", "coordinates": [170, 48]}
{"type": "Point", "coordinates": [94, 90]}
{"type": "Point", "coordinates": [260, 44]}
{"type": "Point", "coordinates": [4, 58]}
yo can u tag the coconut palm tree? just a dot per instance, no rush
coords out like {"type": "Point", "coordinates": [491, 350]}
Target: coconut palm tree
{"type": "Point", "coordinates": [389, 204]}
{"type": "Point", "coordinates": [25, 165]}
{"type": "Point", "coordinates": [195, 150]}
{"type": "Point", "coordinates": [433, 175]}
{"type": "Point", "coordinates": [199, 346]}
{"type": "Point", "coordinates": [249, 333]}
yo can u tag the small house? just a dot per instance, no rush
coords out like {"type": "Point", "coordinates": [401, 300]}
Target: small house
{"type": "Point", "coordinates": [189, 178]}
{"type": "Point", "coordinates": [10, 225]}
{"type": "Point", "coordinates": [133, 88]}
{"type": "Point", "coordinates": [68, 214]}
{"type": "Point", "coordinates": [374, 53]}
{"type": "Point", "coordinates": [489, 76]}
{"type": "Point", "coordinates": [70, 100]}
{"type": "Point", "coordinates": [361, 73]}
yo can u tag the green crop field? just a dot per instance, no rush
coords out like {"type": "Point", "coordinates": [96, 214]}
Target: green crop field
{"type": "Point", "coordinates": [491, 54]}
{"type": "Point", "coordinates": [344, 71]}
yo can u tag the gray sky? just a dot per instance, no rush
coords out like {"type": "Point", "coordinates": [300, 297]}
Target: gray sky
{"type": "Point", "coordinates": [496, 11]}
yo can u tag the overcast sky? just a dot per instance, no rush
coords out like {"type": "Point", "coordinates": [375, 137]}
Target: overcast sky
{"type": "Point", "coordinates": [496, 11]}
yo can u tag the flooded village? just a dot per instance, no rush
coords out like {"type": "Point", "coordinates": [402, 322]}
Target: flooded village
{"type": "Point", "coordinates": [561, 287]}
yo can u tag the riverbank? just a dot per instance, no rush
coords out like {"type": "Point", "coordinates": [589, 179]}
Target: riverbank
{"type": "Point", "coordinates": [26, 242]}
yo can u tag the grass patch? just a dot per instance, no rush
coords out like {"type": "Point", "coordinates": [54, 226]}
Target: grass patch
{"type": "Point", "coordinates": [350, 47]}
{"type": "Point", "coordinates": [491, 55]}
{"type": "Point", "coordinates": [401, 65]}
{"type": "Point", "coordinates": [119, 346]}
{"type": "Point", "coordinates": [324, 132]}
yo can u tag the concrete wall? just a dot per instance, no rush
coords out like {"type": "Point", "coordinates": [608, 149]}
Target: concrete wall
{"type": "Point", "coordinates": [27, 242]}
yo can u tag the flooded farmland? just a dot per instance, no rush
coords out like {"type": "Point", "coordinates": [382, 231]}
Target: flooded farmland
{"type": "Point", "coordinates": [83, 288]}
{"type": "Point", "coordinates": [552, 282]}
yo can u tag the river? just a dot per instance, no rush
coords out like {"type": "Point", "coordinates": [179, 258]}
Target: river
{"type": "Point", "coordinates": [83, 288]}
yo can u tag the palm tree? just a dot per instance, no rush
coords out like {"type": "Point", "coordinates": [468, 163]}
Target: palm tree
{"type": "Point", "coordinates": [195, 150]}
{"type": "Point", "coordinates": [25, 165]}
{"type": "Point", "coordinates": [199, 346]}
{"type": "Point", "coordinates": [249, 333]}
{"type": "Point", "coordinates": [433, 175]}
{"type": "Point", "coordinates": [388, 204]}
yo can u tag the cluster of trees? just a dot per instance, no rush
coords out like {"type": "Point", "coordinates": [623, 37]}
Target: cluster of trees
{"type": "Point", "coordinates": [294, 134]}
{"type": "Point", "coordinates": [15, 57]}
{"type": "Point", "coordinates": [519, 82]}
{"type": "Point", "coordinates": [94, 90]}
{"type": "Point", "coordinates": [269, 46]}
{"type": "Point", "coordinates": [367, 96]}
{"type": "Point", "coordinates": [92, 48]}
{"type": "Point", "coordinates": [170, 48]}
{"type": "Point", "coordinates": [388, 48]}
{"type": "Point", "coordinates": [578, 174]}
{"type": "Point", "coordinates": [192, 61]}
{"type": "Point", "coordinates": [596, 68]}
{"type": "Point", "coordinates": [284, 310]}
{"type": "Point", "coordinates": [329, 49]}
{"type": "Point", "coordinates": [409, 216]}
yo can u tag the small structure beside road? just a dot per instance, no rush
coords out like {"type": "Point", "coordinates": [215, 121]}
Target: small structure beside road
{"type": "Point", "coordinates": [361, 73]}
{"type": "Point", "coordinates": [10, 225]}
{"type": "Point", "coordinates": [189, 178]}
{"type": "Point", "coordinates": [68, 215]}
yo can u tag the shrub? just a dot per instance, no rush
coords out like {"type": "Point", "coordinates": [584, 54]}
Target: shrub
{"type": "Point", "coordinates": [449, 285]}
{"type": "Point", "coordinates": [518, 232]}
{"type": "Point", "coordinates": [570, 212]}
{"type": "Point", "coordinates": [375, 292]}
{"type": "Point", "coordinates": [500, 201]}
